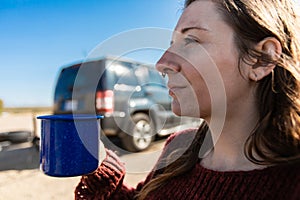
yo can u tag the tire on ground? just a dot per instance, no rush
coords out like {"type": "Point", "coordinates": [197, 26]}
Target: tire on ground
{"type": "Point", "coordinates": [141, 135]}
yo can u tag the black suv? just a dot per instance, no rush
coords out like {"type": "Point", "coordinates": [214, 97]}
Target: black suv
{"type": "Point", "coordinates": [132, 96]}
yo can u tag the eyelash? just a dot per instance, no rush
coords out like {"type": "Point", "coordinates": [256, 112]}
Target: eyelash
{"type": "Point", "coordinates": [189, 40]}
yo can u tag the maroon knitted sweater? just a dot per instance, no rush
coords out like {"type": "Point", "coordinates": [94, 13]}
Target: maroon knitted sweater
{"type": "Point", "coordinates": [276, 182]}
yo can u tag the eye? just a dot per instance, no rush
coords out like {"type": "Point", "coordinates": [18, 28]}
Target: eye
{"type": "Point", "coordinates": [189, 40]}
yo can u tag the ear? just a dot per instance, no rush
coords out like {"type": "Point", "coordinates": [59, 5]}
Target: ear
{"type": "Point", "coordinates": [271, 47]}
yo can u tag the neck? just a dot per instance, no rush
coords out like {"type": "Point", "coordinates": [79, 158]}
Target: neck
{"type": "Point", "coordinates": [228, 155]}
{"type": "Point", "coordinates": [228, 152]}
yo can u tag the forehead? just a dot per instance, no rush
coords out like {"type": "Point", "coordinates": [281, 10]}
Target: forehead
{"type": "Point", "coordinates": [202, 14]}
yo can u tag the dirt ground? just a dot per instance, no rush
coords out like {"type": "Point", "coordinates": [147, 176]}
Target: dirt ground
{"type": "Point", "coordinates": [21, 178]}
{"type": "Point", "coordinates": [34, 185]}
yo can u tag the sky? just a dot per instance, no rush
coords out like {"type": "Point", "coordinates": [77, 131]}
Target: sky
{"type": "Point", "coordinates": [39, 37]}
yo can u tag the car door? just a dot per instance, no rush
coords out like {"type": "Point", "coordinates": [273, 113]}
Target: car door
{"type": "Point", "coordinates": [154, 86]}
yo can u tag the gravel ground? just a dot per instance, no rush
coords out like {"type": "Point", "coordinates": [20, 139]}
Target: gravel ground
{"type": "Point", "coordinates": [20, 177]}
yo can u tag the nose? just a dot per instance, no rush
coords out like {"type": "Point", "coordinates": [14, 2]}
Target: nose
{"type": "Point", "coordinates": [168, 63]}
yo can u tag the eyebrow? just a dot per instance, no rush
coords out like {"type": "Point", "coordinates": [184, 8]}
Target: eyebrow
{"type": "Point", "coordinates": [193, 27]}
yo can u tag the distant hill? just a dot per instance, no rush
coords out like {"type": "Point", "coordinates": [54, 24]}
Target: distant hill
{"type": "Point", "coordinates": [27, 109]}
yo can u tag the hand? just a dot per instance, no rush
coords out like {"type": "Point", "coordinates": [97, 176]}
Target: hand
{"type": "Point", "coordinates": [102, 153]}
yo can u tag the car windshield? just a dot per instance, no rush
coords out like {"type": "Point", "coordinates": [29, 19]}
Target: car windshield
{"type": "Point", "coordinates": [85, 76]}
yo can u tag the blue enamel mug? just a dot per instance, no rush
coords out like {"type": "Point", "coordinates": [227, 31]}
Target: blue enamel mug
{"type": "Point", "coordinates": [69, 144]}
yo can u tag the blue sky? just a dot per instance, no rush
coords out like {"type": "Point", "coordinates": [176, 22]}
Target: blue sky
{"type": "Point", "coordinates": [38, 37]}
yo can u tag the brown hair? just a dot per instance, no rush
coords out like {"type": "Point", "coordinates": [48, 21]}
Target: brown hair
{"type": "Point", "coordinates": [276, 137]}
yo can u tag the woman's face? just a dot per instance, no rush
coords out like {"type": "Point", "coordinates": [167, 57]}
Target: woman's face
{"type": "Point", "coordinates": [202, 64]}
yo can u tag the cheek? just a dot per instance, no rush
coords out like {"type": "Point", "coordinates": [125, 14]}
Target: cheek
{"type": "Point", "coordinates": [196, 99]}
{"type": "Point", "coordinates": [203, 97]}
{"type": "Point", "coordinates": [234, 77]}
{"type": "Point", "coordinates": [206, 74]}
{"type": "Point", "coordinates": [186, 105]}
{"type": "Point", "coordinates": [207, 83]}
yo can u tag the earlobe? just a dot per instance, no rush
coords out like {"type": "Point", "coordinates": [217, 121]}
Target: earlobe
{"type": "Point", "coordinates": [258, 73]}
{"type": "Point", "coordinates": [253, 76]}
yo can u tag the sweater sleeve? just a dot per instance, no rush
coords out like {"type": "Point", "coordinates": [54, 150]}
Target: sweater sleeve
{"type": "Point", "coordinates": [107, 181]}
{"type": "Point", "coordinates": [104, 181]}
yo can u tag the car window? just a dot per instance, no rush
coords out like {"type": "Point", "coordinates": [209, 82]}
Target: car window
{"type": "Point", "coordinates": [142, 74]}
{"type": "Point", "coordinates": [149, 76]}
{"type": "Point", "coordinates": [155, 77]}
{"type": "Point", "coordinates": [85, 76]}
{"type": "Point", "coordinates": [124, 75]}
{"type": "Point", "coordinates": [128, 78]}
{"type": "Point", "coordinates": [89, 75]}
{"type": "Point", "coordinates": [66, 80]}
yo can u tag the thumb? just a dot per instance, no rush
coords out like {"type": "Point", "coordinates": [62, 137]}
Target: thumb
{"type": "Point", "coordinates": [101, 153]}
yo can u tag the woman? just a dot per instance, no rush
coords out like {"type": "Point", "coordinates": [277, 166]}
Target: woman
{"type": "Point", "coordinates": [253, 48]}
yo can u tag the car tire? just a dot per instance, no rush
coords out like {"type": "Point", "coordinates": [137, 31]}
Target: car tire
{"type": "Point", "coordinates": [36, 143]}
{"type": "Point", "coordinates": [18, 136]}
{"type": "Point", "coordinates": [141, 135]}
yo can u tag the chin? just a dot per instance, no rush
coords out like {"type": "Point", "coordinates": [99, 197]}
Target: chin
{"type": "Point", "coordinates": [177, 110]}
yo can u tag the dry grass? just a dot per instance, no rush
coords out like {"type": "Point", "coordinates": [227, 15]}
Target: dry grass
{"type": "Point", "coordinates": [27, 109]}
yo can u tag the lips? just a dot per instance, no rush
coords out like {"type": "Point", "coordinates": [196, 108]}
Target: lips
{"type": "Point", "coordinates": [173, 90]}
{"type": "Point", "coordinates": [171, 93]}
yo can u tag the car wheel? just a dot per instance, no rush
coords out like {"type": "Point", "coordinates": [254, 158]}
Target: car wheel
{"type": "Point", "coordinates": [18, 136]}
{"type": "Point", "coordinates": [36, 143]}
{"type": "Point", "coordinates": [141, 135]}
